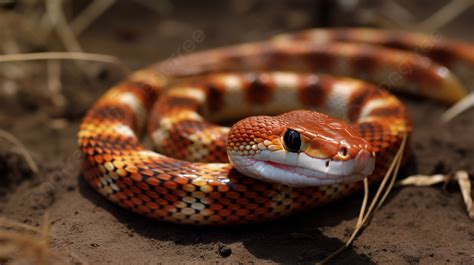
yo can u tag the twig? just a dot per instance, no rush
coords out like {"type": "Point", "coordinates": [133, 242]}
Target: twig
{"type": "Point", "coordinates": [89, 15]}
{"type": "Point", "coordinates": [65, 56]}
{"type": "Point", "coordinates": [26, 154]}
{"type": "Point", "coordinates": [464, 104]}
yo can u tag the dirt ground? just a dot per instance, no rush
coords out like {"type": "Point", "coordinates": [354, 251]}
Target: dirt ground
{"type": "Point", "coordinates": [415, 226]}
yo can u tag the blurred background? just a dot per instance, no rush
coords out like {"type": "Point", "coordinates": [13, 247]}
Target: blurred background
{"type": "Point", "coordinates": [140, 32]}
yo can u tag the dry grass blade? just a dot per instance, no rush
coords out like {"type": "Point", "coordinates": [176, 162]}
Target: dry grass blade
{"type": "Point", "coordinates": [465, 185]}
{"type": "Point", "coordinates": [446, 14]}
{"type": "Point", "coordinates": [41, 56]}
{"type": "Point", "coordinates": [458, 108]}
{"type": "Point", "coordinates": [13, 224]}
{"type": "Point", "coordinates": [423, 180]}
{"type": "Point", "coordinates": [26, 154]}
{"type": "Point", "coordinates": [54, 84]}
{"type": "Point", "coordinates": [461, 176]}
{"type": "Point", "coordinates": [17, 245]}
{"type": "Point", "coordinates": [54, 9]}
{"type": "Point", "coordinates": [375, 204]}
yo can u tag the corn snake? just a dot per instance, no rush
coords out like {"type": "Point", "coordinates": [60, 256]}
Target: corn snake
{"type": "Point", "coordinates": [304, 158]}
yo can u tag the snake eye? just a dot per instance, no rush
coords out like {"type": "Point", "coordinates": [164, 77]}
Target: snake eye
{"type": "Point", "coordinates": [292, 140]}
{"type": "Point", "coordinates": [343, 152]}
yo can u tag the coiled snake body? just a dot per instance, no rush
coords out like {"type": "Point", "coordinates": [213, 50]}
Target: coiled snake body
{"type": "Point", "coordinates": [280, 164]}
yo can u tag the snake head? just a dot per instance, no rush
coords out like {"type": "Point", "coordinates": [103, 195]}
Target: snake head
{"type": "Point", "coordinates": [299, 148]}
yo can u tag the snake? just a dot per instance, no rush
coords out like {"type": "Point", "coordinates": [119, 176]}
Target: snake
{"type": "Point", "coordinates": [311, 116]}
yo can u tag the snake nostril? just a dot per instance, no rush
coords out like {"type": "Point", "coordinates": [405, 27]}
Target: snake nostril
{"type": "Point", "coordinates": [327, 163]}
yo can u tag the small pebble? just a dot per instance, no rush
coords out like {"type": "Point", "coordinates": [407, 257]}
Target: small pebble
{"type": "Point", "coordinates": [224, 251]}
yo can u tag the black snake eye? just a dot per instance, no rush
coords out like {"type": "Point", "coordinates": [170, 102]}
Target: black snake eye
{"type": "Point", "coordinates": [292, 140]}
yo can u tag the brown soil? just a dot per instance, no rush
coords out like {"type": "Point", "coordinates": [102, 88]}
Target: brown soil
{"type": "Point", "coordinates": [416, 225]}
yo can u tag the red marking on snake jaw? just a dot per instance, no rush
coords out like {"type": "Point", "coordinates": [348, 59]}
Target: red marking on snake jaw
{"type": "Point", "coordinates": [280, 166]}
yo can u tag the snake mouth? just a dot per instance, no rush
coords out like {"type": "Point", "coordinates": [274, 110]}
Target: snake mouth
{"type": "Point", "coordinates": [301, 170]}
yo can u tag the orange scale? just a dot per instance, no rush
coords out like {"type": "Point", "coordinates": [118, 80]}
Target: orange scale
{"type": "Point", "coordinates": [135, 190]}
{"type": "Point", "coordinates": [127, 163]}
{"type": "Point", "coordinates": [233, 207]}
{"type": "Point", "coordinates": [215, 218]}
{"type": "Point", "coordinates": [121, 172]}
{"type": "Point", "coordinates": [142, 185]}
{"type": "Point", "coordinates": [97, 183]}
{"type": "Point", "coordinates": [170, 198]}
{"type": "Point", "coordinates": [223, 188]}
{"type": "Point", "coordinates": [215, 195]}
{"type": "Point", "coordinates": [179, 217]}
{"type": "Point", "coordinates": [161, 201]}
{"type": "Point", "coordinates": [198, 195]}
{"type": "Point", "coordinates": [261, 211]}
{"type": "Point", "coordinates": [224, 212]}
{"type": "Point", "coordinates": [143, 209]}
{"type": "Point", "coordinates": [99, 159]}
{"type": "Point", "coordinates": [118, 164]}
{"type": "Point", "coordinates": [121, 195]}
{"type": "Point", "coordinates": [232, 195]}
{"type": "Point", "coordinates": [251, 217]}
{"type": "Point", "coordinates": [152, 194]}
{"type": "Point", "coordinates": [152, 205]}
{"type": "Point", "coordinates": [131, 169]}
{"type": "Point", "coordinates": [225, 201]}
{"type": "Point", "coordinates": [108, 157]}
{"type": "Point", "coordinates": [179, 193]}
{"type": "Point", "coordinates": [152, 181]}
{"type": "Point", "coordinates": [216, 207]}
{"type": "Point", "coordinates": [91, 151]}
{"type": "Point", "coordinates": [215, 183]}
{"type": "Point", "coordinates": [242, 201]}
{"type": "Point", "coordinates": [113, 197]}
{"type": "Point", "coordinates": [189, 187]}
{"type": "Point", "coordinates": [161, 190]}
{"type": "Point", "coordinates": [144, 198]}
{"type": "Point", "coordinates": [128, 192]}
{"type": "Point", "coordinates": [269, 204]}
{"type": "Point", "coordinates": [197, 217]}
{"type": "Point", "coordinates": [161, 213]}
{"type": "Point", "coordinates": [242, 212]}
{"type": "Point", "coordinates": [206, 188]}
{"type": "Point", "coordinates": [128, 204]}
{"type": "Point", "coordinates": [207, 200]}
{"type": "Point", "coordinates": [199, 182]}
{"type": "Point", "coordinates": [250, 194]}
{"type": "Point", "coordinates": [164, 177]}
{"type": "Point", "coordinates": [136, 201]}
{"type": "Point", "coordinates": [147, 172]}
{"type": "Point", "coordinates": [181, 180]}
{"type": "Point", "coordinates": [233, 218]}
{"type": "Point", "coordinates": [180, 204]}
{"type": "Point", "coordinates": [118, 158]}
{"type": "Point", "coordinates": [251, 206]}
{"type": "Point", "coordinates": [170, 185]}
{"type": "Point", "coordinates": [240, 187]}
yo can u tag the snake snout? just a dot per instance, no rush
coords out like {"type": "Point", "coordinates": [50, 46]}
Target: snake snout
{"type": "Point", "coordinates": [364, 162]}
